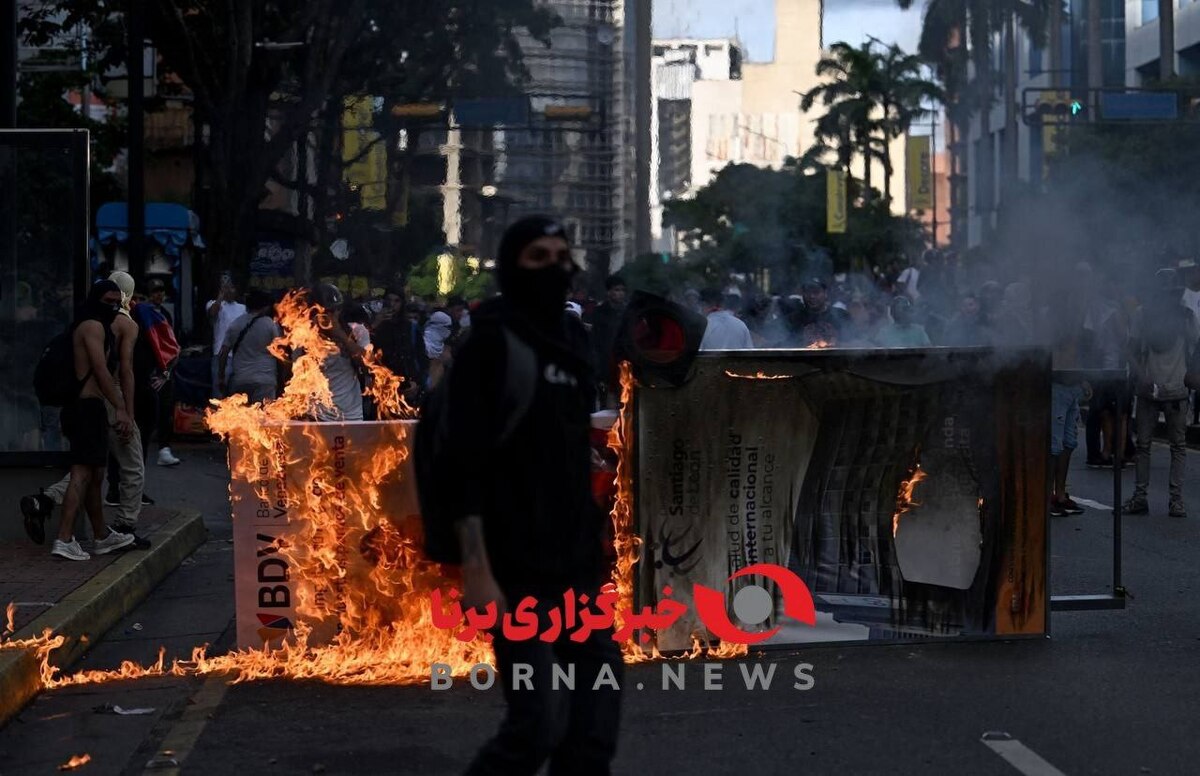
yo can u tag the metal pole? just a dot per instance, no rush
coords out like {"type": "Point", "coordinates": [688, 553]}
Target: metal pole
{"type": "Point", "coordinates": [933, 175]}
{"type": "Point", "coordinates": [8, 64]}
{"type": "Point", "coordinates": [1118, 455]}
{"type": "Point", "coordinates": [135, 24]}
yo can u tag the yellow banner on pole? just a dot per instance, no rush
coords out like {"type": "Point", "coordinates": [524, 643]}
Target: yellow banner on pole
{"type": "Point", "coordinates": [836, 202]}
{"type": "Point", "coordinates": [920, 173]}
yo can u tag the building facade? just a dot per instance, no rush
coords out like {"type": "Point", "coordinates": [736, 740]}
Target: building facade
{"type": "Point", "coordinates": [715, 109]}
{"type": "Point", "coordinates": [1036, 69]}
{"type": "Point", "coordinates": [1142, 45]}
{"type": "Point", "coordinates": [593, 173]}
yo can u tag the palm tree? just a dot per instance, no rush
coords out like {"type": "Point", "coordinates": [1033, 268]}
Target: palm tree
{"type": "Point", "coordinates": [904, 96]}
{"type": "Point", "coordinates": [848, 96]}
{"type": "Point", "coordinates": [871, 98]}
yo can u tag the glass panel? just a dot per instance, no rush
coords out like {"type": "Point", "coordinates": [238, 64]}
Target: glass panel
{"type": "Point", "coordinates": [36, 285]}
{"type": "Point", "coordinates": [1149, 11]}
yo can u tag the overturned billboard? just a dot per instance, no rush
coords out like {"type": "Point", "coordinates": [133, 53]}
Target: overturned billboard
{"type": "Point", "coordinates": [907, 488]}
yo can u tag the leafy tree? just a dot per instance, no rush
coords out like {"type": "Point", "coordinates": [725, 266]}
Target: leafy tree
{"type": "Point", "coordinates": [903, 94]}
{"type": "Point", "coordinates": [255, 99]}
{"type": "Point", "coordinates": [772, 224]}
{"type": "Point", "coordinates": [442, 275]}
{"type": "Point", "coordinates": [872, 96]}
{"type": "Point", "coordinates": [847, 93]}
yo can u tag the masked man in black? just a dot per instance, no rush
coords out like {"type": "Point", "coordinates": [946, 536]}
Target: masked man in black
{"type": "Point", "coordinates": [531, 526]}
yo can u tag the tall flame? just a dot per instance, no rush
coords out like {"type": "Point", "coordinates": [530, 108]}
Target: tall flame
{"type": "Point", "coordinates": [629, 544]}
{"type": "Point", "coordinates": [905, 499]}
{"type": "Point", "coordinates": [385, 632]}
{"type": "Point", "coordinates": [10, 618]}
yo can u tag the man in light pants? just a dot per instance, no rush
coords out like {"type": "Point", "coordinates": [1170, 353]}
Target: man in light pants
{"type": "Point", "coordinates": [1164, 336]}
{"type": "Point", "coordinates": [127, 451]}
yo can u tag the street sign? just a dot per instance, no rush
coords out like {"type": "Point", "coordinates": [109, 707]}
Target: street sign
{"type": "Point", "coordinates": [1042, 107]}
{"type": "Point", "coordinates": [1139, 106]}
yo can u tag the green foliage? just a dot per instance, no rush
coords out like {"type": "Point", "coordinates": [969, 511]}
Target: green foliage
{"type": "Point", "coordinates": [469, 279]}
{"type": "Point", "coordinates": [753, 221]}
{"type": "Point", "coordinates": [871, 94]}
{"type": "Point", "coordinates": [401, 51]}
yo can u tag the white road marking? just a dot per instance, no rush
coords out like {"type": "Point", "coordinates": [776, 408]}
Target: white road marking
{"type": "Point", "coordinates": [1087, 502]}
{"type": "Point", "coordinates": [1019, 756]}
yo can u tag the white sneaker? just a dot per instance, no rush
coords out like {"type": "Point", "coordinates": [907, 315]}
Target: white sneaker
{"type": "Point", "coordinates": [165, 458]}
{"type": "Point", "coordinates": [69, 550]}
{"type": "Point", "coordinates": [114, 541]}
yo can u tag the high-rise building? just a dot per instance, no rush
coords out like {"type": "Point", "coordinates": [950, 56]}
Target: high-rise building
{"type": "Point", "coordinates": [592, 172]}
{"type": "Point", "coordinates": [676, 67]}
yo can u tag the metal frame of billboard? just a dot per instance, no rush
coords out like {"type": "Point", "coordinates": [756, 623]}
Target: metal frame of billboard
{"type": "Point", "coordinates": [76, 142]}
{"type": "Point", "coordinates": [1119, 381]}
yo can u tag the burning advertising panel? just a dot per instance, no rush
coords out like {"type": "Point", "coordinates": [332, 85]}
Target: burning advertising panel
{"type": "Point", "coordinates": [271, 596]}
{"type": "Point", "coordinates": [906, 488]}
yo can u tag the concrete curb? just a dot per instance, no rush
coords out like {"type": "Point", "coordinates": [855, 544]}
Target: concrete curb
{"type": "Point", "coordinates": [97, 605]}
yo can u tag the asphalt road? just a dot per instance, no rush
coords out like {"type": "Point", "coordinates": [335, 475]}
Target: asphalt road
{"type": "Point", "coordinates": [1112, 692]}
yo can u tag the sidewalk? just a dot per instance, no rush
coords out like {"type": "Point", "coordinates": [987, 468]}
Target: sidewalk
{"type": "Point", "coordinates": [83, 600]}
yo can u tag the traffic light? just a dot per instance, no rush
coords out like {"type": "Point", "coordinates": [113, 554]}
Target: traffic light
{"type": "Point", "coordinates": [1059, 107]}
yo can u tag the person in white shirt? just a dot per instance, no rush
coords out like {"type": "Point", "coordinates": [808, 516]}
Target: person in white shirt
{"type": "Point", "coordinates": [725, 330]}
{"type": "Point", "coordinates": [342, 368]}
{"type": "Point", "coordinates": [222, 312]}
{"type": "Point", "coordinates": [909, 280]}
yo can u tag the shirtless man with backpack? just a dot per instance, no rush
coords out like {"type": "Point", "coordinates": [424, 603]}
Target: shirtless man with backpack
{"type": "Point", "coordinates": [85, 422]}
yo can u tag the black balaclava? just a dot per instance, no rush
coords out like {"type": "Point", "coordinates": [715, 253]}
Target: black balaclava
{"type": "Point", "coordinates": [541, 294]}
{"type": "Point", "coordinates": [96, 310]}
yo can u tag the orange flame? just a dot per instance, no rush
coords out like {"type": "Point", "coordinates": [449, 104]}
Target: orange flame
{"type": "Point", "coordinates": [904, 501]}
{"type": "Point", "coordinates": [76, 761]}
{"type": "Point", "coordinates": [10, 618]}
{"type": "Point", "coordinates": [385, 632]}
{"type": "Point", "coordinates": [629, 545]}
{"type": "Point", "coordinates": [818, 345]}
{"type": "Point", "coordinates": [757, 376]}
{"type": "Point", "coordinates": [385, 625]}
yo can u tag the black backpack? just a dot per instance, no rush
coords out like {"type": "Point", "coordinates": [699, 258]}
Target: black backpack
{"type": "Point", "coordinates": [54, 379]}
{"type": "Point", "coordinates": [437, 480]}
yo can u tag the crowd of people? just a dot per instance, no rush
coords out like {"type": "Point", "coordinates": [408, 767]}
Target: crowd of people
{"type": "Point", "coordinates": [1142, 336]}
{"type": "Point", "coordinates": [1090, 320]}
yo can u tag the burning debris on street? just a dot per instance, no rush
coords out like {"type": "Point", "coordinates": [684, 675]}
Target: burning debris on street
{"type": "Point", "coordinates": [384, 629]}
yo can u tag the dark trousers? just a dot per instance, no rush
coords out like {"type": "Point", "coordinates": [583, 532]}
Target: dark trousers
{"type": "Point", "coordinates": [575, 730]}
{"type": "Point", "coordinates": [165, 410]}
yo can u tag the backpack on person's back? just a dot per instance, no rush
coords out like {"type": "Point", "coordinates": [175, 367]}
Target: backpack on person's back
{"type": "Point", "coordinates": [433, 461]}
{"type": "Point", "coordinates": [54, 380]}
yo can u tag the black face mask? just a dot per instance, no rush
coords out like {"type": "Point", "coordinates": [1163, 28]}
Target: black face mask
{"type": "Point", "coordinates": [540, 293]}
